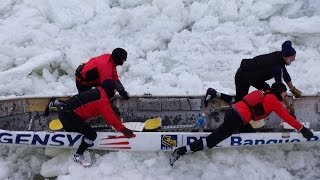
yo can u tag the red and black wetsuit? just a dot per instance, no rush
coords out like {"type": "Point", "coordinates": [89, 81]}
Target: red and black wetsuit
{"type": "Point", "coordinates": [98, 71]}
{"type": "Point", "coordinates": [86, 105]}
{"type": "Point", "coordinates": [270, 104]}
{"type": "Point", "coordinates": [254, 72]}
{"type": "Point", "coordinates": [239, 115]}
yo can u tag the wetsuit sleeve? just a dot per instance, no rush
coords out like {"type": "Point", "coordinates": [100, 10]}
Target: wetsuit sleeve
{"type": "Point", "coordinates": [110, 116]}
{"type": "Point", "coordinates": [286, 75]}
{"type": "Point", "coordinates": [227, 98]}
{"type": "Point", "coordinates": [119, 86]}
{"type": "Point", "coordinates": [284, 114]}
{"type": "Point", "coordinates": [277, 73]}
{"type": "Point", "coordinates": [109, 86]}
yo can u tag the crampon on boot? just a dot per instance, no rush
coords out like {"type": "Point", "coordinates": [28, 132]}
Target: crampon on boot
{"type": "Point", "coordinates": [175, 155]}
{"type": "Point", "coordinates": [80, 159]}
{"type": "Point", "coordinates": [53, 102]}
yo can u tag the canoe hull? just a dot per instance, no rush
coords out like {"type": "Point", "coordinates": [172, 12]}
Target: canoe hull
{"type": "Point", "coordinates": [145, 141]}
{"type": "Point", "coordinates": [22, 122]}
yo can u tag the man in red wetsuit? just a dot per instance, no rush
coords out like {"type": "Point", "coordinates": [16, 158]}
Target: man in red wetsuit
{"type": "Point", "coordinates": [88, 104]}
{"type": "Point", "coordinates": [101, 71]}
{"type": "Point", "coordinates": [240, 114]}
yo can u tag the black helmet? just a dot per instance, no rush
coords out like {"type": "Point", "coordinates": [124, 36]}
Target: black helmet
{"type": "Point", "coordinates": [119, 55]}
{"type": "Point", "coordinates": [278, 87]}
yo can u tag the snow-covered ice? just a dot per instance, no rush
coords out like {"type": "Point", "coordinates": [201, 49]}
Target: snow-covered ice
{"type": "Point", "coordinates": [174, 47]}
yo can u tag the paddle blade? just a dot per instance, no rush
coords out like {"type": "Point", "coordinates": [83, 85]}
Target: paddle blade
{"type": "Point", "coordinates": [151, 124]}
{"type": "Point", "coordinates": [55, 125]}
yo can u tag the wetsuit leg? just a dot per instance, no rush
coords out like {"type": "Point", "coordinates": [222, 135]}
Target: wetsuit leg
{"type": "Point", "coordinates": [232, 123]}
{"type": "Point", "coordinates": [73, 123]}
{"type": "Point", "coordinates": [242, 86]}
{"type": "Point", "coordinates": [261, 85]}
{"type": "Point", "coordinates": [81, 87]}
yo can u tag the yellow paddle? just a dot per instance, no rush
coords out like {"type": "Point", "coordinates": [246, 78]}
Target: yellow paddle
{"type": "Point", "coordinates": [150, 124]}
{"type": "Point", "coordinates": [55, 125]}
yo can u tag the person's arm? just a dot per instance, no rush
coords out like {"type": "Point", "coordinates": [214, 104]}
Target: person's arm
{"type": "Point", "coordinates": [286, 101]}
{"type": "Point", "coordinates": [296, 92]}
{"type": "Point", "coordinates": [286, 77]}
{"type": "Point", "coordinates": [119, 87]}
{"type": "Point", "coordinates": [123, 93]}
{"type": "Point", "coordinates": [277, 73]}
{"type": "Point", "coordinates": [109, 87]}
{"type": "Point", "coordinates": [109, 115]}
{"type": "Point", "coordinates": [227, 98]}
{"type": "Point", "coordinates": [212, 93]}
{"type": "Point", "coordinates": [283, 114]}
{"type": "Point", "coordinates": [278, 108]}
{"type": "Point", "coordinates": [290, 85]}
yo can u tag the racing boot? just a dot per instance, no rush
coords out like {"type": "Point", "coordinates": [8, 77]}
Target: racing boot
{"type": "Point", "coordinates": [81, 160]}
{"type": "Point", "coordinates": [175, 155]}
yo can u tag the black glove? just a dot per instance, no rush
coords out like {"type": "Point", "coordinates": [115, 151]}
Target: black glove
{"type": "Point", "coordinates": [128, 133]}
{"type": "Point", "coordinates": [124, 95]}
{"type": "Point", "coordinates": [211, 93]}
{"type": "Point", "coordinates": [306, 133]}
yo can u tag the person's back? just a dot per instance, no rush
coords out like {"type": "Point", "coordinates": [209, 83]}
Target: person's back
{"type": "Point", "coordinates": [270, 103]}
{"type": "Point", "coordinates": [101, 71]}
{"type": "Point", "coordinates": [88, 104]}
{"type": "Point", "coordinates": [98, 69]}
{"type": "Point", "coordinates": [264, 61]}
{"type": "Point", "coordinates": [93, 103]}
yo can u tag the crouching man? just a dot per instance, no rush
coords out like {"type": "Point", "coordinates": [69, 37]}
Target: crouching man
{"type": "Point", "coordinates": [256, 105]}
{"type": "Point", "coordinates": [74, 112]}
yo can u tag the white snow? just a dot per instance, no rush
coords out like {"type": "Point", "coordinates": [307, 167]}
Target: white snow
{"type": "Point", "coordinates": [175, 47]}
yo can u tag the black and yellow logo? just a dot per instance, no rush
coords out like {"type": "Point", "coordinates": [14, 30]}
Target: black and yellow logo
{"type": "Point", "coordinates": [168, 141]}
